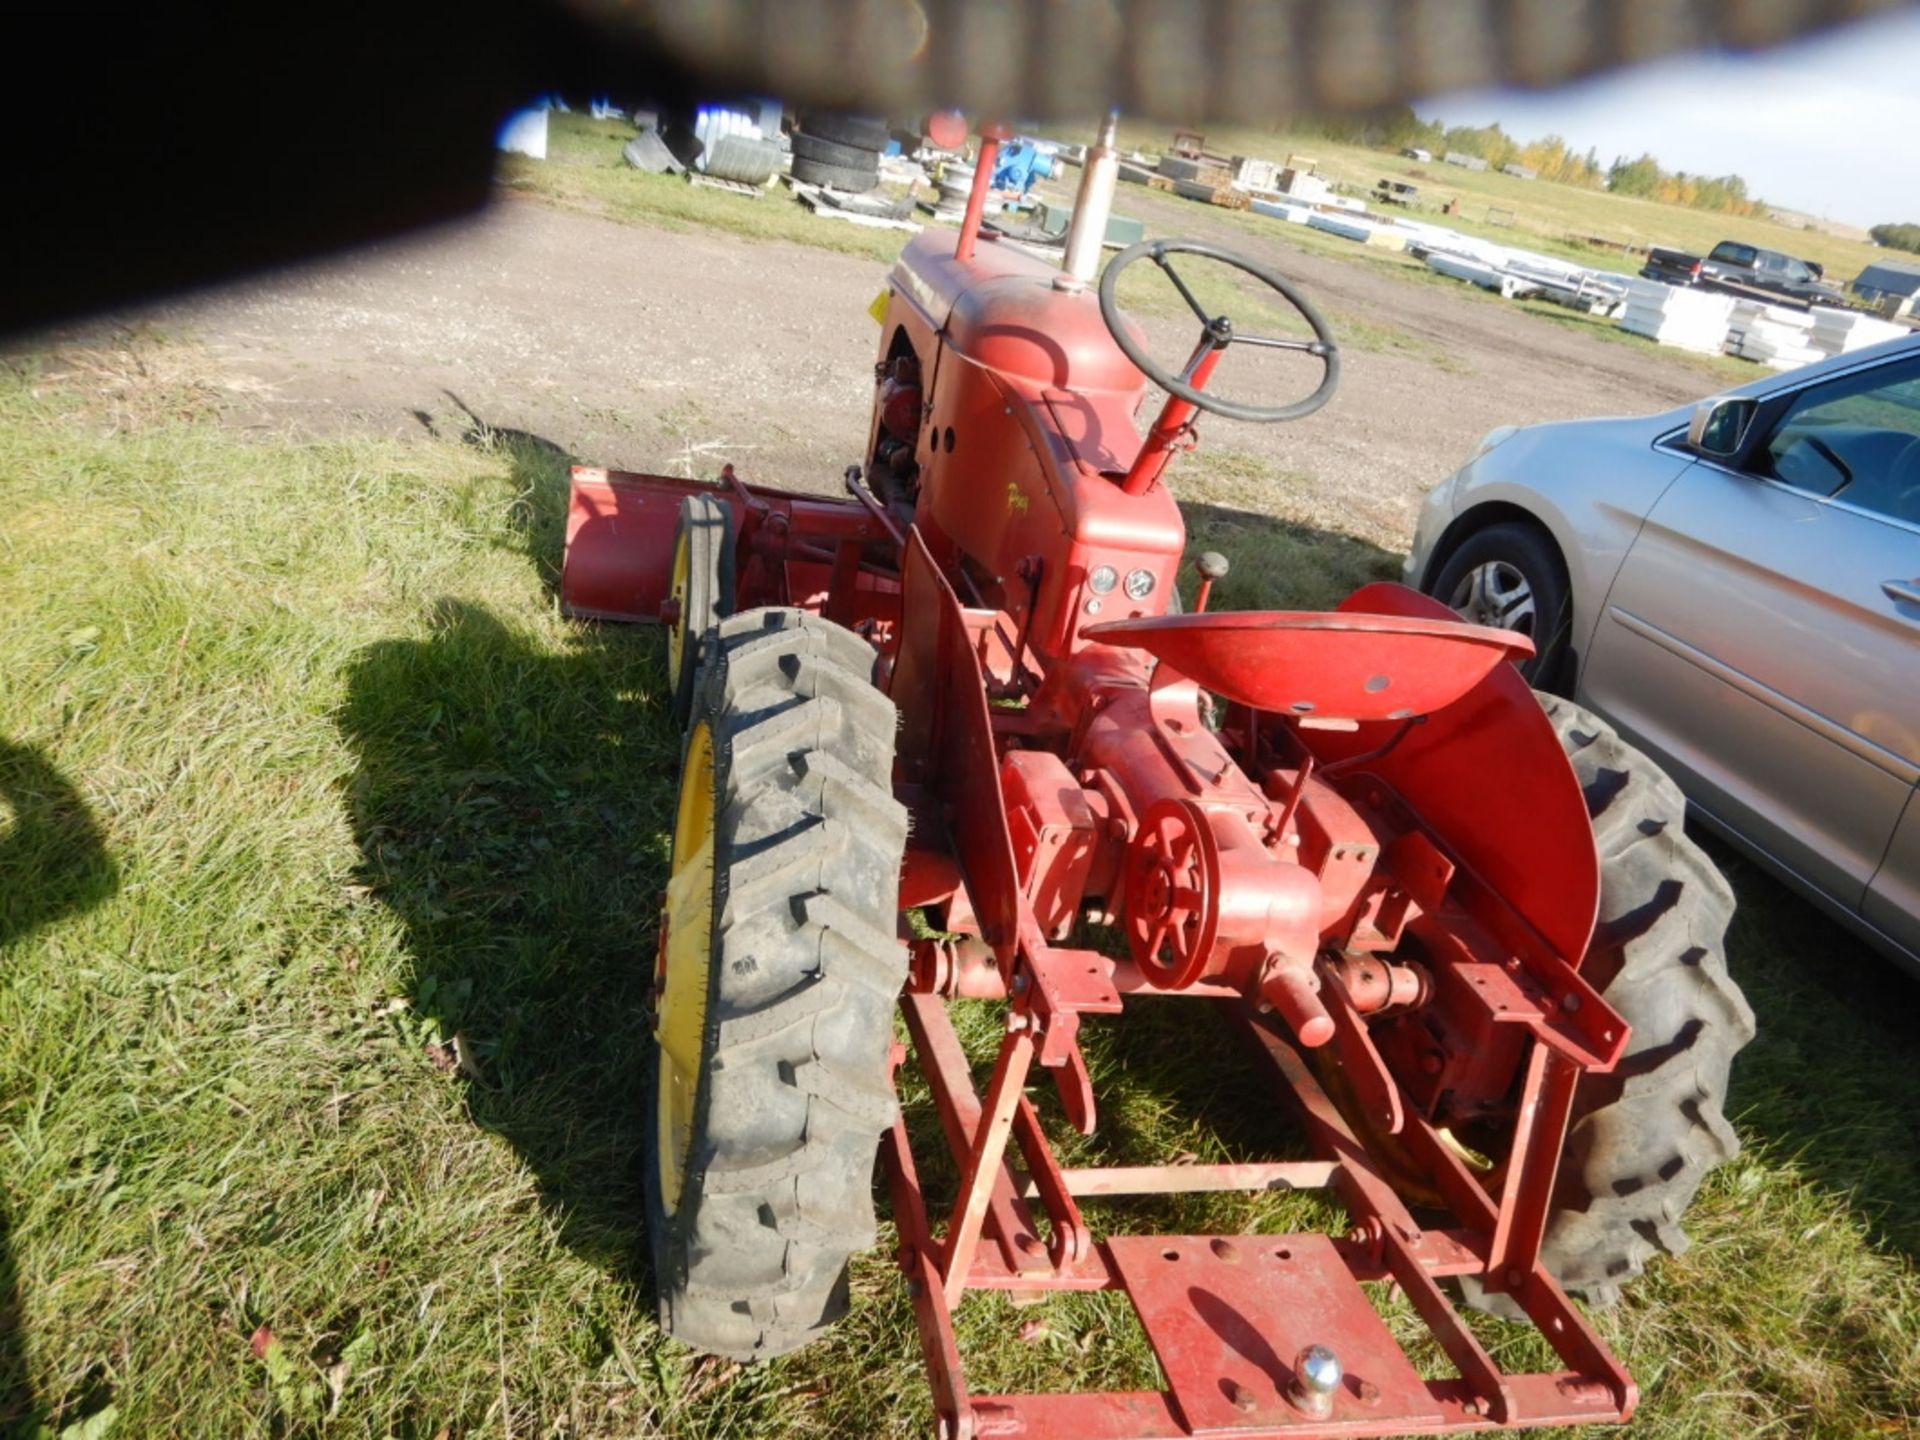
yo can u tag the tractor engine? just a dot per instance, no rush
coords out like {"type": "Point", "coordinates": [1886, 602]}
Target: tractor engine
{"type": "Point", "coordinates": [894, 471]}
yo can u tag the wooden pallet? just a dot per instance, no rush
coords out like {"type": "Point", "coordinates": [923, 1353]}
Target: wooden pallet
{"type": "Point", "coordinates": [734, 187]}
{"type": "Point", "coordinates": [1224, 196]}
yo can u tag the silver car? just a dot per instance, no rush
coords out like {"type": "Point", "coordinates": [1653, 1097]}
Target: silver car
{"type": "Point", "coordinates": [1736, 586]}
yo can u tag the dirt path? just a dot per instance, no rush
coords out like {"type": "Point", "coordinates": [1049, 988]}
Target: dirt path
{"type": "Point", "coordinates": [678, 350]}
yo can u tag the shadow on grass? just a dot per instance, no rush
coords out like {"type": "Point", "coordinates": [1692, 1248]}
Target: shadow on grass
{"type": "Point", "coordinates": [539, 473]}
{"type": "Point", "coordinates": [513, 806]}
{"type": "Point", "coordinates": [53, 865]}
{"type": "Point", "coordinates": [1832, 1078]}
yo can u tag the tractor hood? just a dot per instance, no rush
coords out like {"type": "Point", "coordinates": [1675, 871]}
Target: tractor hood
{"type": "Point", "coordinates": [1001, 310]}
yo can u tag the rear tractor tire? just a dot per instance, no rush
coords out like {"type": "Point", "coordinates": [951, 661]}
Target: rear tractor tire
{"type": "Point", "coordinates": [1642, 1138]}
{"type": "Point", "coordinates": [778, 972]}
{"type": "Point", "coordinates": [702, 586]}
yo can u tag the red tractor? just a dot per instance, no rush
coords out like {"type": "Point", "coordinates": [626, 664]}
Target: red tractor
{"type": "Point", "coordinates": [941, 730]}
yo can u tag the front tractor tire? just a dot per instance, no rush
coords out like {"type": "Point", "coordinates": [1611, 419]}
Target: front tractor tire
{"type": "Point", "coordinates": [1642, 1138]}
{"type": "Point", "coordinates": [779, 968]}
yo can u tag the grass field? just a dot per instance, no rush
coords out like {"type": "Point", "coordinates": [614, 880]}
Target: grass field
{"type": "Point", "coordinates": [1545, 216]}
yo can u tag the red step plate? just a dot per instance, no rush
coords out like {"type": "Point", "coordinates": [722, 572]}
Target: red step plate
{"type": "Point", "coordinates": [1226, 1316]}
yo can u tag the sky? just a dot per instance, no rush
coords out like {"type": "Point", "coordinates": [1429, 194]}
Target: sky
{"type": "Point", "coordinates": [1830, 125]}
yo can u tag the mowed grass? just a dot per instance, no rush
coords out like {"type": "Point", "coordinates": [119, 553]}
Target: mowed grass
{"type": "Point", "coordinates": [329, 861]}
{"type": "Point", "coordinates": [1544, 215]}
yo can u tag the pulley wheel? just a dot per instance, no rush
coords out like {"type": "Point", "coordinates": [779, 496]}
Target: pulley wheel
{"type": "Point", "coordinates": [1173, 894]}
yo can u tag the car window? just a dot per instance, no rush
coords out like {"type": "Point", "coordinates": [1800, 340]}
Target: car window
{"type": "Point", "coordinates": [1855, 439]}
{"type": "Point", "coordinates": [1797, 271]}
{"type": "Point", "coordinates": [1732, 254]}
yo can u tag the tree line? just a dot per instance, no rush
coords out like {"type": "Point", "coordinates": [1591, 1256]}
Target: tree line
{"type": "Point", "coordinates": [1551, 158]}
{"type": "Point", "coordinates": [1898, 237]}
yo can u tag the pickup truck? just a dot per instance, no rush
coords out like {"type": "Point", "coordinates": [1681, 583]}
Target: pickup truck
{"type": "Point", "coordinates": [1742, 269]}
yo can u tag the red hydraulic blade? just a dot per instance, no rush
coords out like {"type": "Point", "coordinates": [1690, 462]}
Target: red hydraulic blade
{"type": "Point", "coordinates": [619, 560]}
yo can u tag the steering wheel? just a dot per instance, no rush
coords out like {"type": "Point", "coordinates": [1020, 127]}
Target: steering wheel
{"type": "Point", "coordinates": [1218, 331]}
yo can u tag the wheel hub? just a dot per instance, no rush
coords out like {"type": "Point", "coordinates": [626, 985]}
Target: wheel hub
{"type": "Point", "coordinates": [683, 971]}
{"type": "Point", "coordinates": [673, 612]}
{"type": "Point", "coordinates": [1495, 594]}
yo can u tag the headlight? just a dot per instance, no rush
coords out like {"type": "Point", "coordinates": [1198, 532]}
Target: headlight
{"type": "Point", "coordinates": [1139, 584]}
{"type": "Point", "coordinates": [1499, 435]}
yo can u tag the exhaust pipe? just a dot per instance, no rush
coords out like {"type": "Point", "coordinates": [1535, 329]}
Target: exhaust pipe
{"type": "Point", "coordinates": [1091, 208]}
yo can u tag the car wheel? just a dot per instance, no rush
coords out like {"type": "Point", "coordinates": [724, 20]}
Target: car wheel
{"type": "Point", "coordinates": [1510, 577]}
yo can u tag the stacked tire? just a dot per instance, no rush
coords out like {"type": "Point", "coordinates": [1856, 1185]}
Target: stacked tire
{"type": "Point", "coordinates": [740, 158]}
{"type": "Point", "coordinates": [841, 151]}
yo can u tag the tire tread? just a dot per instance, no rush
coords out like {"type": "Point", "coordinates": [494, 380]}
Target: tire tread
{"type": "Point", "coordinates": [807, 970]}
{"type": "Point", "coordinates": [1643, 1138]}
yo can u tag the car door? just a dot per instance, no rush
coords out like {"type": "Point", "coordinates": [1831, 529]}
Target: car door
{"type": "Point", "coordinates": [1757, 639]}
{"type": "Point", "coordinates": [1893, 899]}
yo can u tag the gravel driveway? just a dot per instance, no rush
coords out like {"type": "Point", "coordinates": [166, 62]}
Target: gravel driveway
{"type": "Point", "coordinates": [676, 350]}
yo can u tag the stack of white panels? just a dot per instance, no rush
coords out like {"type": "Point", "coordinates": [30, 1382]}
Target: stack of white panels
{"type": "Point", "coordinates": [1350, 227]}
{"type": "Point", "coordinates": [1440, 240]}
{"type": "Point", "coordinates": [1772, 334]}
{"type": "Point", "coordinates": [1686, 319]}
{"type": "Point", "coordinates": [1836, 332]}
{"type": "Point", "coordinates": [1280, 210]}
{"type": "Point", "coordinates": [1531, 265]}
{"type": "Point", "coordinates": [1528, 270]}
{"type": "Point", "coordinates": [1474, 272]}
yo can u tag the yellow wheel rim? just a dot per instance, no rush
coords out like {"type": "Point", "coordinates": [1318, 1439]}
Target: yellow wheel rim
{"type": "Point", "coordinates": [677, 632]}
{"type": "Point", "coordinates": [685, 966]}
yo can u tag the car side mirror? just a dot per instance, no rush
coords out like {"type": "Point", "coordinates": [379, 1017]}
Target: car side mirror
{"type": "Point", "coordinates": [1719, 427]}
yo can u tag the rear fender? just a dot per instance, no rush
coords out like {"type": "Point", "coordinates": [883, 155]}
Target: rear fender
{"type": "Point", "coordinates": [1488, 777]}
